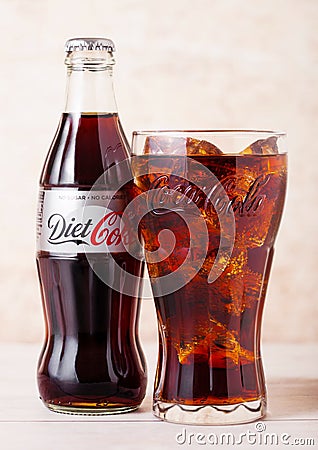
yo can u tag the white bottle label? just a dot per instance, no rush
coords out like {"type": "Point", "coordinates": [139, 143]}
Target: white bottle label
{"type": "Point", "coordinates": [74, 221]}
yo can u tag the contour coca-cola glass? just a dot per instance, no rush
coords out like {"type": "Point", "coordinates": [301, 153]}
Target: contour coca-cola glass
{"type": "Point", "coordinates": [211, 204]}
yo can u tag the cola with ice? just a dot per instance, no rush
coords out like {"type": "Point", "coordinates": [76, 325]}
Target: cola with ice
{"type": "Point", "coordinates": [210, 367]}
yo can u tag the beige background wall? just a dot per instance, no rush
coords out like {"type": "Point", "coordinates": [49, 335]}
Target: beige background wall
{"type": "Point", "coordinates": [181, 64]}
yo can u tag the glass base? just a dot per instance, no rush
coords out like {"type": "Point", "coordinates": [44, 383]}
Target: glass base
{"type": "Point", "coordinates": [90, 411]}
{"type": "Point", "coordinates": [210, 414]}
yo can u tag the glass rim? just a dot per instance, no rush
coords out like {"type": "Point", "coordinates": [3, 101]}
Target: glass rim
{"type": "Point", "coordinates": [211, 131]}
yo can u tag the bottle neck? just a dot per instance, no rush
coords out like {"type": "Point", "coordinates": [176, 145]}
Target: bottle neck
{"type": "Point", "coordinates": [89, 85]}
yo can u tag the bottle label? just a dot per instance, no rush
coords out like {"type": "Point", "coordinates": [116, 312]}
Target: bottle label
{"type": "Point", "coordinates": [74, 221]}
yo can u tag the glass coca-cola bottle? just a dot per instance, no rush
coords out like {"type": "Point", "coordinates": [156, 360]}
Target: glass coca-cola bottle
{"type": "Point", "coordinates": [91, 361]}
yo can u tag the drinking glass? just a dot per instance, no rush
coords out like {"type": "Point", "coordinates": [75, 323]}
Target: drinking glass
{"type": "Point", "coordinates": [211, 206]}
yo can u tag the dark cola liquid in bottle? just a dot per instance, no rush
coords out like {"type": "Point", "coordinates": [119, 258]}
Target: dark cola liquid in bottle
{"type": "Point", "coordinates": [91, 361]}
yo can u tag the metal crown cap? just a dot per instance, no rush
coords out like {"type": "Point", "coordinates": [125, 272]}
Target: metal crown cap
{"type": "Point", "coordinates": [82, 44]}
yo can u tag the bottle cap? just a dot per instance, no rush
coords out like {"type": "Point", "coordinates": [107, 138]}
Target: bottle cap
{"type": "Point", "coordinates": [82, 44]}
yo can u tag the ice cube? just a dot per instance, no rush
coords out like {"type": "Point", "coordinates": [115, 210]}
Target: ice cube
{"type": "Point", "coordinates": [197, 147]}
{"type": "Point", "coordinates": [253, 232]}
{"type": "Point", "coordinates": [238, 185]}
{"type": "Point", "coordinates": [217, 344]}
{"type": "Point", "coordinates": [262, 147]}
{"type": "Point", "coordinates": [166, 145]}
{"type": "Point", "coordinates": [225, 349]}
{"type": "Point", "coordinates": [237, 262]}
{"type": "Point", "coordinates": [236, 288]}
{"type": "Point", "coordinates": [252, 286]}
{"type": "Point", "coordinates": [245, 289]}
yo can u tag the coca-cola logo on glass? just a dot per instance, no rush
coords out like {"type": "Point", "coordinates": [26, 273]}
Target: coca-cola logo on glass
{"type": "Point", "coordinates": [238, 194]}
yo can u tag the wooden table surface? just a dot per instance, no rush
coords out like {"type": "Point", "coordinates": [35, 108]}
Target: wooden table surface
{"type": "Point", "coordinates": [292, 420]}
